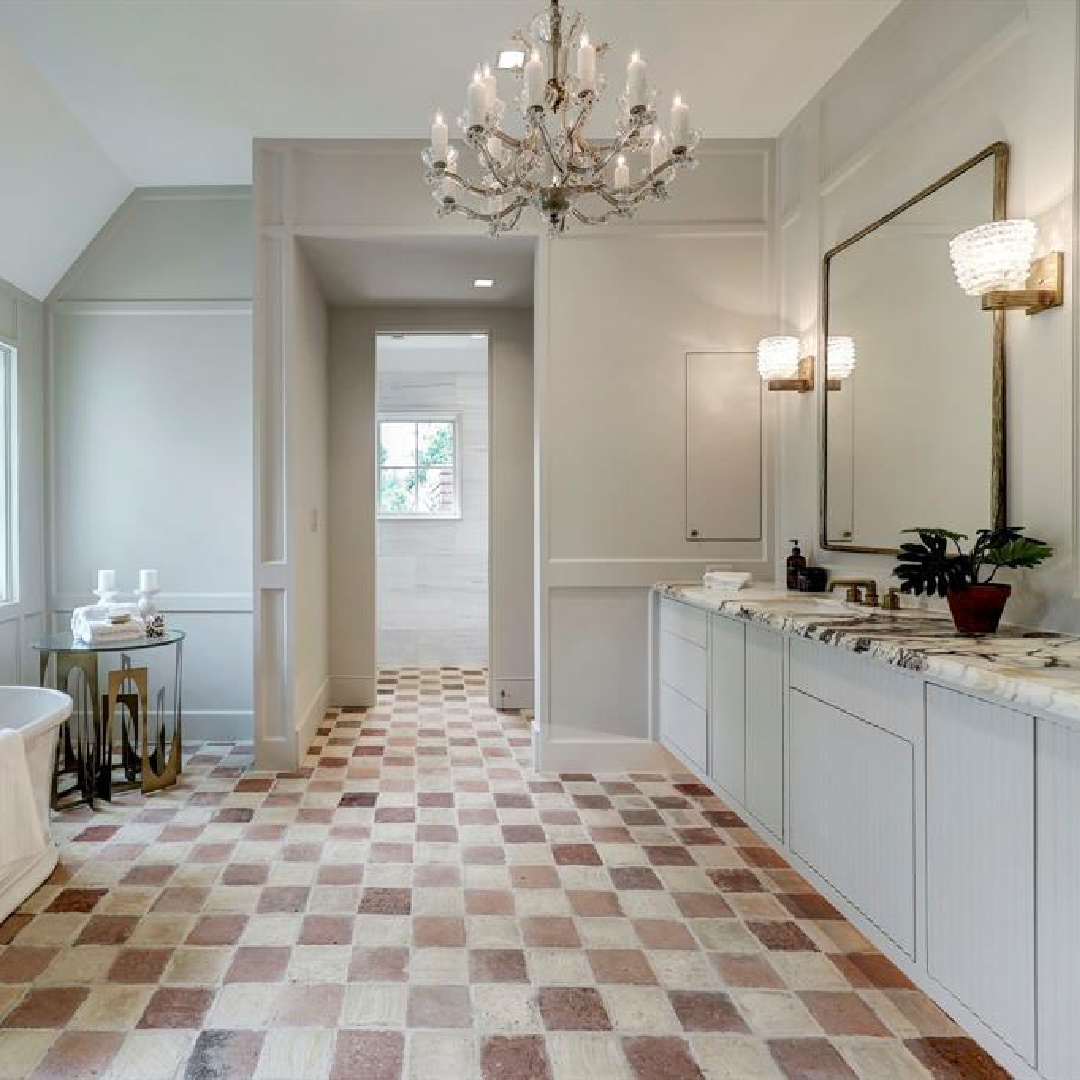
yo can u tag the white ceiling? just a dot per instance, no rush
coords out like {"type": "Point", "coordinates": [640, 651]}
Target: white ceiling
{"type": "Point", "coordinates": [173, 92]}
{"type": "Point", "coordinates": [401, 270]}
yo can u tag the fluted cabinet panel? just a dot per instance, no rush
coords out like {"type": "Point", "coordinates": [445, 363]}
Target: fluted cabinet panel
{"type": "Point", "coordinates": [980, 851]}
{"type": "Point", "coordinates": [1058, 890]}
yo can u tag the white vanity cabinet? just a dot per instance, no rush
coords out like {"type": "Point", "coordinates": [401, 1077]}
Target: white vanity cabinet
{"type": "Point", "coordinates": [683, 695]}
{"type": "Point", "coordinates": [727, 705]}
{"type": "Point", "coordinates": [980, 860]}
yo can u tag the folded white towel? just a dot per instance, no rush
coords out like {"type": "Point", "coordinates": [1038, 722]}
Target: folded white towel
{"type": "Point", "coordinates": [21, 834]}
{"type": "Point", "coordinates": [102, 612]}
{"type": "Point", "coordinates": [93, 631]}
{"type": "Point", "coordinates": [729, 580]}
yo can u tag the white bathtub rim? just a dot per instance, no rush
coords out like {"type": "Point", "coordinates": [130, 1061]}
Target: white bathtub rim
{"type": "Point", "coordinates": [56, 707]}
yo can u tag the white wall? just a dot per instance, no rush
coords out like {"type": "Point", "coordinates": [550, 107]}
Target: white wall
{"type": "Point", "coordinates": [22, 325]}
{"type": "Point", "coordinates": [932, 86]}
{"type": "Point", "coordinates": [352, 506]}
{"type": "Point", "coordinates": [432, 574]}
{"type": "Point", "coordinates": [308, 495]}
{"type": "Point", "coordinates": [150, 408]}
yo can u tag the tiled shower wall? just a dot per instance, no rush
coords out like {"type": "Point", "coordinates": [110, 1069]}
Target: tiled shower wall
{"type": "Point", "coordinates": [433, 575]}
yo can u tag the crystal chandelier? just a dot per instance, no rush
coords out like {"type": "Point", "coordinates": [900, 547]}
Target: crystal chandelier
{"type": "Point", "coordinates": [551, 165]}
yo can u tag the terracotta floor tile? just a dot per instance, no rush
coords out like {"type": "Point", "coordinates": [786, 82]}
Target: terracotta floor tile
{"type": "Point", "coordinates": [139, 965]}
{"type": "Point", "coordinates": [573, 1008]}
{"type": "Point", "coordinates": [809, 1059]}
{"type": "Point", "coordinates": [550, 932]}
{"type": "Point", "coordinates": [955, 1059]}
{"type": "Point", "coordinates": [373, 1055]}
{"type": "Point", "coordinates": [258, 963]}
{"type": "Point", "coordinates": [621, 966]}
{"type": "Point", "coordinates": [497, 966]}
{"type": "Point", "coordinates": [47, 1007]}
{"type": "Point", "coordinates": [177, 1007]}
{"type": "Point", "coordinates": [79, 1054]}
{"type": "Point", "coordinates": [701, 1010]}
{"type": "Point", "coordinates": [841, 1013]}
{"type": "Point", "coordinates": [23, 964]}
{"type": "Point", "coordinates": [506, 1057]}
{"type": "Point", "coordinates": [661, 1058]}
{"type": "Point", "coordinates": [783, 936]}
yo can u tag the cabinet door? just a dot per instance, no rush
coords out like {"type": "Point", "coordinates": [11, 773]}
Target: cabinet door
{"type": "Point", "coordinates": [765, 727]}
{"type": "Point", "coordinates": [853, 811]}
{"type": "Point", "coordinates": [727, 706]}
{"type": "Point", "coordinates": [980, 860]}
{"type": "Point", "coordinates": [723, 447]}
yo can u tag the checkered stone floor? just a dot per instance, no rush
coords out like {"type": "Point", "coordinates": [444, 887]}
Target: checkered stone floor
{"type": "Point", "coordinates": [415, 902]}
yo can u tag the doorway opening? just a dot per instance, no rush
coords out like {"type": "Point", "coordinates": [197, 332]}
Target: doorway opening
{"type": "Point", "coordinates": [432, 500]}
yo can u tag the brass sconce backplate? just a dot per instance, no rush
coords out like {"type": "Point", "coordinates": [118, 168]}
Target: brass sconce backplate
{"type": "Point", "coordinates": [1045, 288]}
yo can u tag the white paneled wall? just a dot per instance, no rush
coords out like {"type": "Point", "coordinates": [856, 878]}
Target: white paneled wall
{"type": "Point", "coordinates": [881, 130]}
{"type": "Point", "coordinates": [150, 434]}
{"type": "Point", "coordinates": [22, 325]}
{"type": "Point", "coordinates": [432, 575]}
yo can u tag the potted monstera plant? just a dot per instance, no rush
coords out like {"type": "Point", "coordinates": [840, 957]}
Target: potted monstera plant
{"type": "Point", "coordinates": [939, 564]}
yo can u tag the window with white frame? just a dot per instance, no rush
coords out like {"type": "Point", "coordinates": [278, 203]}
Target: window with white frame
{"type": "Point", "coordinates": [8, 590]}
{"type": "Point", "coordinates": [419, 466]}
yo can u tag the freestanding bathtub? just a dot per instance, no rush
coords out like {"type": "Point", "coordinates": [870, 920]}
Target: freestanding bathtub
{"type": "Point", "coordinates": [37, 713]}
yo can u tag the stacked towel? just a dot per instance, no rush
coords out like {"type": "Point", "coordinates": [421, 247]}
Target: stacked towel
{"type": "Point", "coordinates": [101, 622]}
{"type": "Point", "coordinates": [21, 836]}
{"type": "Point", "coordinates": [726, 580]}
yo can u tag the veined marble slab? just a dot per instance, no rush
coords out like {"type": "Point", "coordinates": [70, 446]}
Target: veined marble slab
{"type": "Point", "coordinates": [1030, 669]}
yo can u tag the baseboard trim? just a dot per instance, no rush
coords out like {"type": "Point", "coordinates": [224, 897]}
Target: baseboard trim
{"type": "Point", "coordinates": [358, 690]}
{"type": "Point", "coordinates": [312, 717]}
{"type": "Point", "coordinates": [512, 693]}
{"type": "Point", "coordinates": [218, 725]}
{"type": "Point", "coordinates": [604, 756]}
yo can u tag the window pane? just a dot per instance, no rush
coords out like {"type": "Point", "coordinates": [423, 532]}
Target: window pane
{"type": "Point", "coordinates": [436, 443]}
{"type": "Point", "coordinates": [397, 491]}
{"type": "Point", "coordinates": [397, 443]}
{"type": "Point", "coordinates": [436, 490]}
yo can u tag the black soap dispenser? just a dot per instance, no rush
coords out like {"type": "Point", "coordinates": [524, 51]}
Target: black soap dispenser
{"type": "Point", "coordinates": [796, 562]}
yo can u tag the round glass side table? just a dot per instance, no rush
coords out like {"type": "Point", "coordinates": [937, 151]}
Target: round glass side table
{"type": "Point", "coordinates": [86, 744]}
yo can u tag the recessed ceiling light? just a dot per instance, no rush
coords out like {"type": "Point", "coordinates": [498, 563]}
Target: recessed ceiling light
{"type": "Point", "coordinates": [483, 283]}
{"type": "Point", "coordinates": [510, 59]}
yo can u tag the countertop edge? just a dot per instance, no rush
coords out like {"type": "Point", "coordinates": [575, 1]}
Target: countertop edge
{"type": "Point", "coordinates": [1032, 692]}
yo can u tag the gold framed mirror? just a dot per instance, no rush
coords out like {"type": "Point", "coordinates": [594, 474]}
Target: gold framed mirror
{"type": "Point", "coordinates": [912, 372]}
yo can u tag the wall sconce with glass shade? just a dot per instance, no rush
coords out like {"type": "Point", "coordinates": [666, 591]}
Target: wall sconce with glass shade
{"type": "Point", "coordinates": [780, 365]}
{"type": "Point", "coordinates": [839, 359]}
{"type": "Point", "coordinates": [997, 262]}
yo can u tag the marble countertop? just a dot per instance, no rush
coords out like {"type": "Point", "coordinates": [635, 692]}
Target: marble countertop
{"type": "Point", "coordinates": [1029, 669]}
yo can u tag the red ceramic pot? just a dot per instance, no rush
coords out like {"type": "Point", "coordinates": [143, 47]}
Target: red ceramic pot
{"type": "Point", "coordinates": [976, 609]}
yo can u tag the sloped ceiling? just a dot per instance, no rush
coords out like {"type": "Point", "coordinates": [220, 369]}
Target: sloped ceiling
{"type": "Point", "coordinates": [57, 186]}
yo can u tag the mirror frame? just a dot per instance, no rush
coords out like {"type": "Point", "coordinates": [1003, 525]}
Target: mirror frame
{"type": "Point", "coordinates": [999, 151]}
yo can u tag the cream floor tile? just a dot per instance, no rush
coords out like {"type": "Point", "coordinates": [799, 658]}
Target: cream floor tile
{"type": "Point", "coordinates": [151, 1055]}
{"type": "Point", "coordinates": [22, 1051]}
{"type": "Point", "coordinates": [375, 1005]}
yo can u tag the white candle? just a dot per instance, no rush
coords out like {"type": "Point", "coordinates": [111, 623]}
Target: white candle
{"type": "Point", "coordinates": [534, 81]}
{"type": "Point", "coordinates": [622, 173]}
{"type": "Point", "coordinates": [635, 81]}
{"type": "Point", "coordinates": [586, 64]}
{"type": "Point", "coordinates": [106, 581]}
{"type": "Point", "coordinates": [491, 87]}
{"type": "Point", "coordinates": [440, 135]}
{"type": "Point", "coordinates": [476, 101]}
{"type": "Point", "coordinates": [657, 152]}
{"type": "Point", "coordinates": [680, 123]}
{"type": "Point", "coordinates": [148, 580]}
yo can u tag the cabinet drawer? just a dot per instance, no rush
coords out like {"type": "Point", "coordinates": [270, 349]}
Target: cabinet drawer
{"type": "Point", "coordinates": [853, 812]}
{"type": "Point", "coordinates": [684, 621]}
{"type": "Point", "coordinates": [683, 726]}
{"type": "Point", "coordinates": [684, 667]}
{"type": "Point", "coordinates": [865, 688]}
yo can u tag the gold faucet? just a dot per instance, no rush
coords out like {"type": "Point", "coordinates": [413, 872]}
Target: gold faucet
{"type": "Point", "coordinates": [891, 600]}
{"type": "Point", "coordinates": [869, 597]}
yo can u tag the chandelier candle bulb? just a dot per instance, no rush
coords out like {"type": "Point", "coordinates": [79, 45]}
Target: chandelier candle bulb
{"type": "Point", "coordinates": [680, 124]}
{"type": "Point", "coordinates": [495, 149]}
{"type": "Point", "coordinates": [635, 82]}
{"type": "Point", "coordinates": [440, 135]}
{"type": "Point", "coordinates": [586, 65]}
{"type": "Point", "coordinates": [534, 81]}
{"type": "Point", "coordinates": [491, 88]}
{"type": "Point", "coordinates": [476, 102]}
{"type": "Point", "coordinates": [657, 153]}
{"type": "Point", "coordinates": [622, 174]}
